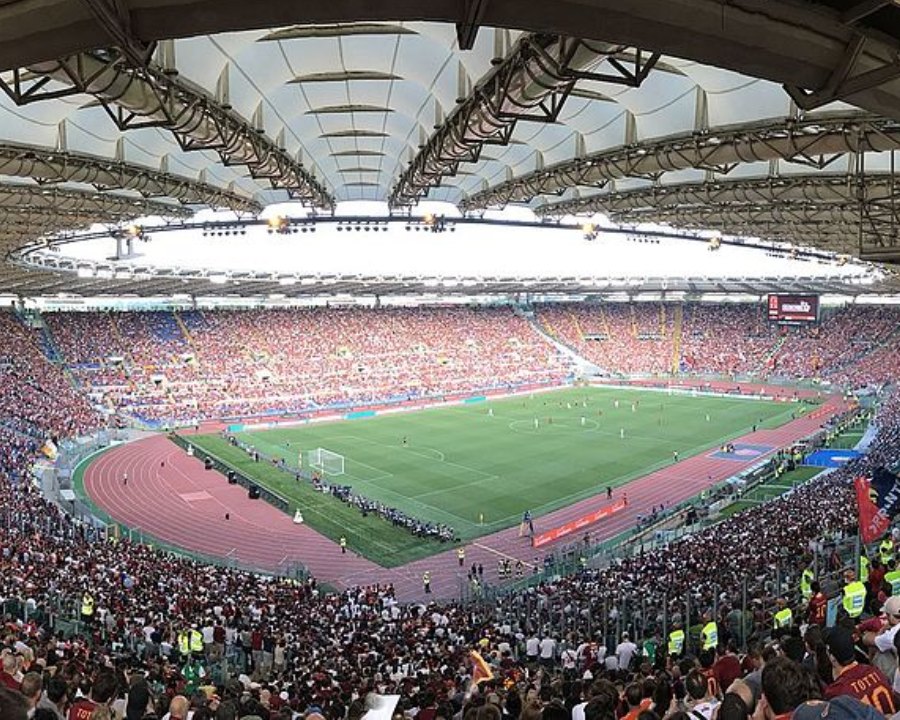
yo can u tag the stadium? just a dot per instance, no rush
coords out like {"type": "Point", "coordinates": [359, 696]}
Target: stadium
{"type": "Point", "coordinates": [470, 359]}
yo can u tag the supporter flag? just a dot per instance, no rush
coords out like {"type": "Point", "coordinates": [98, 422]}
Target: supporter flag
{"type": "Point", "coordinates": [481, 671]}
{"type": "Point", "coordinates": [49, 449]}
{"type": "Point", "coordinates": [878, 499]}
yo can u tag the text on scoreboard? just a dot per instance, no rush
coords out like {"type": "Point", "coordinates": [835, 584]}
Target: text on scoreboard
{"type": "Point", "coordinates": [794, 308]}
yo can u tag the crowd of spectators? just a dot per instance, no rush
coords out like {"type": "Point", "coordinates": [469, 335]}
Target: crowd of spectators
{"type": "Point", "coordinates": [561, 650]}
{"type": "Point", "coordinates": [162, 366]}
{"type": "Point", "coordinates": [295, 649]}
{"type": "Point", "coordinates": [730, 339]}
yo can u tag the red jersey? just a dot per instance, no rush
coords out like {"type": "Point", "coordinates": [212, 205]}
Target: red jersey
{"type": "Point", "coordinates": [82, 710]}
{"type": "Point", "coordinates": [818, 607]}
{"type": "Point", "coordinates": [867, 684]}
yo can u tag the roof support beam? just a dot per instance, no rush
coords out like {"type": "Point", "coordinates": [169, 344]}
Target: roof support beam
{"type": "Point", "coordinates": [467, 28]}
{"type": "Point", "coordinates": [115, 19]}
{"type": "Point", "coordinates": [532, 84]}
{"type": "Point", "coordinates": [49, 167]}
{"type": "Point", "coordinates": [148, 97]}
{"type": "Point", "coordinates": [816, 142]}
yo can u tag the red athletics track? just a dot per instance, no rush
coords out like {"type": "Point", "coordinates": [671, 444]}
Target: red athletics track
{"type": "Point", "coordinates": [184, 505]}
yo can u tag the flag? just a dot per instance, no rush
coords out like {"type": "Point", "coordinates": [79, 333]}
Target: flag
{"type": "Point", "coordinates": [481, 671]}
{"type": "Point", "coordinates": [878, 499]}
{"type": "Point", "coordinates": [49, 449]}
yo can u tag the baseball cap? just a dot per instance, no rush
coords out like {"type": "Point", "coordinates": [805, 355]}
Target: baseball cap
{"type": "Point", "coordinates": [892, 606]}
{"type": "Point", "coordinates": [843, 707]}
{"type": "Point", "coordinates": [839, 642]}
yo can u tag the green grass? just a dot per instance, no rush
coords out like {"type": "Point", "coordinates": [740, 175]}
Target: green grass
{"type": "Point", "coordinates": [461, 463]}
{"type": "Point", "coordinates": [772, 489]}
{"type": "Point", "coordinates": [847, 441]}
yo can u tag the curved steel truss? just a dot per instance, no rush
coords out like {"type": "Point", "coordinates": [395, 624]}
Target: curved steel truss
{"type": "Point", "coordinates": [531, 84]}
{"type": "Point", "coordinates": [48, 167]}
{"type": "Point", "coordinates": [138, 97]}
{"type": "Point", "coordinates": [815, 142]}
{"type": "Point", "coordinates": [858, 214]}
{"type": "Point", "coordinates": [28, 212]}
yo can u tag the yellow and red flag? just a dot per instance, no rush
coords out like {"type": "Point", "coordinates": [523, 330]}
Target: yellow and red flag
{"type": "Point", "coordinates": [481, 671]}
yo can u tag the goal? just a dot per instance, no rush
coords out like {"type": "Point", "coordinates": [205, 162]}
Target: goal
{"type": "Point", "coordinates": [326, 462]}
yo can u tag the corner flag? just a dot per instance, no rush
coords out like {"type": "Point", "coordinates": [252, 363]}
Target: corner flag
{"type": "Point", "coordinates": [878, 499]}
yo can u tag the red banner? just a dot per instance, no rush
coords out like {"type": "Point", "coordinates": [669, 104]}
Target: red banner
{"type": "Point", "coordinates": [576, 525]}
{"type": "Point", "coordinates": [874, 518]}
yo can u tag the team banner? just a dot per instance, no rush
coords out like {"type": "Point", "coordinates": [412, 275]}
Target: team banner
{"type": "Point", "coordinates": [878, 499]}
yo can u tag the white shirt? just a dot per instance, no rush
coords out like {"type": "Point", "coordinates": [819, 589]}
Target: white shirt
{"type": "Point", "coordinates": [625, 652]}
{"type": "Point", "coordinates": [578, 711]}
{"type": "Point", "coordinates": [885, 641]}
{"type": "Point", "coordinates": [532, 646]}
{"type": "Point", "coordinates": [548, 648]}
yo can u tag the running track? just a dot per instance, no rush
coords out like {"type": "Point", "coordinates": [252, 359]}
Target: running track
{"type": "Point", "coordinates": [170, 496]}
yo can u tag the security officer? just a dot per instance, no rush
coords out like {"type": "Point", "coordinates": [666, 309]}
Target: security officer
{"type": "Point", "coordinates": [863, 568]}
{"type": "Point", "coordinates": [806, 579]}
{"type": "Point", "coordinates": [343, 545]}
{"type": "Point", "coordinates": [886, 551]}
{"type": "Point", "coordinates": [461, 555]}
{"type": "Point", "coordinates": [893, 579]}
{"type": "Point", "coordinates": [709, 635]}
{"type": "Point", "coordinates": [426, 582]}
{"type": "Point", "coordinates": [854, 595]}
{"type": "Point", "coordinates": [184, 643]}
{"type": "Point", "coordinates": [783, 617]}
{"type": "Point", "coordinates": [196, 641]}
{"type": "Point", "coordinates": [676, 642]}
{"type": "Point", "coordinates": [87, 608]}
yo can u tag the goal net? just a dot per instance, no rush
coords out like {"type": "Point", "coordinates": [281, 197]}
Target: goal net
{"type": "Point", "coordinates": [326, 462]}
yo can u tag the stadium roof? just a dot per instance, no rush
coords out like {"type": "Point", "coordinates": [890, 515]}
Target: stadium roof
{"type": "Point", "coordinates": [758, 117]}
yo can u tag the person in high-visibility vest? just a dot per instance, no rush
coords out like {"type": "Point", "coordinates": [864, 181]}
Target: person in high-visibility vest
{"type": "Point", "coordinates": [676, 642]}
{"type": "Point", "coordinates": [343, 545]}
{"type": "Point", "coordinates": [196, 641]}
{"type": "Point", "coordinates": [709, 635]}
{"type": "Point", "coordinates": [184, 643]}
{"type": "Point", "coordinates": [461, 556]}
{"type": "Point", "coordinates": [806, 579]}
{"type": "Point", "coordinates": [426, 582]}
{"type": "Point", "coordinates": [892, 578]}
{"type": "Point", "coordinates": [886, 551]}
{"type": "Point", "coordinates": [87, 607]}
{"type": "Point", "coordinates": [783, 617]}
{"type": "Point", "coordinates": [854, 595]}
{"type": "Point", "coordinates": [863, 568]}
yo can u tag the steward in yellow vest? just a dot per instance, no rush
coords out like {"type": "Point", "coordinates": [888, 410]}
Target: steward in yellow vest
{"type": "Point", "coordinates": [709, 636]}
{"type": "Point", "coordinates": [806, 583]}
{"type": "Point", "coordinates": [87, 608]}
{"type": "Point", "coordinates": [854, 595]}
{"type": "Point", "coordinates": [783, 617]}
{"type": "Point", "coordinates": [676, 642]}
{"type": "Point", "coordinates": [886, 552]}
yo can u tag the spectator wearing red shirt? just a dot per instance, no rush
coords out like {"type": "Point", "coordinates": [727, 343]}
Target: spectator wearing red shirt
{"type": "Point", "coordinates": [102, 692]}
{"type": "Point", "coordinates": [817, 609]}
{"type": "Point", "coordinates": [864, 682]}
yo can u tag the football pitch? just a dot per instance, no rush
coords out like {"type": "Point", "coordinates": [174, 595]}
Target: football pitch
{"type": "Point", "coordinates": [477, 467]}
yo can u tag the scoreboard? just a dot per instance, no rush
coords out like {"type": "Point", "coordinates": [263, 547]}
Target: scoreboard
{"type": "Point", "coordinates": [794, 308]}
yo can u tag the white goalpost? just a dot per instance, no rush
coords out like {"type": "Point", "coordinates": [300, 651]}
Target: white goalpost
{"type": "Point", "coordinates": [326, 462]}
